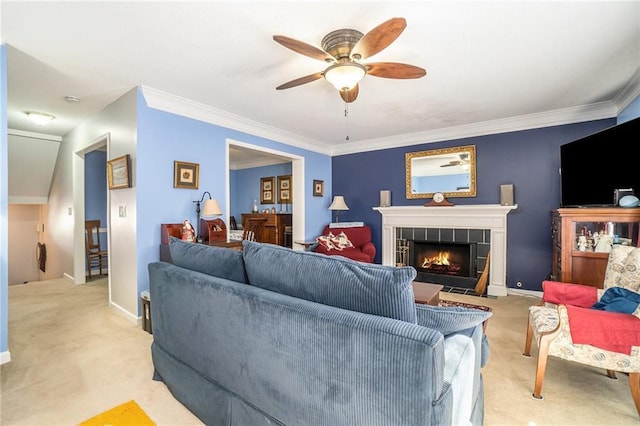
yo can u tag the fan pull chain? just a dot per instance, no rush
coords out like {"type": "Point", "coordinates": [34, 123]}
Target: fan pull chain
{"type": "Point", "coordinates": [346, 115]}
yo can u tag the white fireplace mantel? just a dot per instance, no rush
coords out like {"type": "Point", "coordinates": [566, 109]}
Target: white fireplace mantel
{"type": "Point", "coordinates": [479, 216]}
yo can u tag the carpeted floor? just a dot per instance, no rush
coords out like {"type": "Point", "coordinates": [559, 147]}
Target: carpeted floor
{"type": "Point", "coordinates": [74, 357]}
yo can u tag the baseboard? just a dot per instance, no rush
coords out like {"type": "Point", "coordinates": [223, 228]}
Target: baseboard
{"type": "Point", "coordinates": [69, 277]}
{"type": "Point", "coordinates": [527, 293]}
{"type": "Point", "coordinates": [126, 314]}
{"type": "Point", "coordinates": [5, 357]}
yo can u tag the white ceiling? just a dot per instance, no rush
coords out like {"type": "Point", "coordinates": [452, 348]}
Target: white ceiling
{"type": "Point", "coordinates": [491, 66]}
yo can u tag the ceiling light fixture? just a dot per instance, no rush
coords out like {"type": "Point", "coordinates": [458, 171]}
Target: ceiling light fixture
{"type": "Point", "coordinates": [72, 99]}
{"type": "Point", "coordinates": [345, 75]}
{"type": "Point", "coordinates": [40, 118]}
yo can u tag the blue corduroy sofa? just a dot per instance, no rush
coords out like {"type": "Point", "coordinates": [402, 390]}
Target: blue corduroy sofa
{"type": "Point", "coordinates": [269, 335]}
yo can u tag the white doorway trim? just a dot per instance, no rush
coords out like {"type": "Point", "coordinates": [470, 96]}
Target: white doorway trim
{"type": "Point", "coordinates": [297, 175]}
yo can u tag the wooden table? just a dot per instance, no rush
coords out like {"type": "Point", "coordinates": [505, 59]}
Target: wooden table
{"type": "Point", "coordinates": [427, 293]}
{"type": "Point", "coordinates": [306, 244]}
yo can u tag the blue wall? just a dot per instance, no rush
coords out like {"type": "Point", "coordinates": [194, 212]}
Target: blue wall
{"type": "Point", "coordinates": [246, 188]}
{"type": "Point", "coordinates": [527, 159]}
{"type": "Point", "coordinates": [4, 204]}
{"type": "Point", "coordinates": [630, 112]}
{"type": "Point", "coordinates": [163, 138]}
{"type": "Point", "coordinates": [95, 190]}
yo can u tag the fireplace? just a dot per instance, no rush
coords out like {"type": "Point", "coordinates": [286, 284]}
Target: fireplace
{"type": "Point", "coordinates": [445, 258]}
{"type": "Point", "coordinates": [484, 224]}
{"type": "Point", "coordinates": [453, 264]}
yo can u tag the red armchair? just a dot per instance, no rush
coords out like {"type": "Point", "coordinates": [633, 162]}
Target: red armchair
{"type": "Point", "coordinates": [356, 246]}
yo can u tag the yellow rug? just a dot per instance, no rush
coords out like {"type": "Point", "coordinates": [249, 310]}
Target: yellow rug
{"type": "Point", "coordinates": [127, 414]}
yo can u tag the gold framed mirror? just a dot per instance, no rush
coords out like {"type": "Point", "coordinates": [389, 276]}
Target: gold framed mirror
{"type": "Point", "coordinates": [451, 171]}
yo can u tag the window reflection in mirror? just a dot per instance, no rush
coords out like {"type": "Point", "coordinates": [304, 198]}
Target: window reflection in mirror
{"type": "Point", "coordinates": [451, 171]}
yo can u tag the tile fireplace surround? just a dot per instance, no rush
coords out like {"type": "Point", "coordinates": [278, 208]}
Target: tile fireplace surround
{"type": "Point", "coordinates": [480, 216]}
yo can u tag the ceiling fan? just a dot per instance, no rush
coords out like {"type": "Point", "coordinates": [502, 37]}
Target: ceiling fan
{"type": "Point", "coordinates": [344, 49]}
{"type": "Point", "coordinates": [464, 159]}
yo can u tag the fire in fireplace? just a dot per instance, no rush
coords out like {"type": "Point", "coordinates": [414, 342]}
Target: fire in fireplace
{"type": "Point", "coordinates": [446, 258]}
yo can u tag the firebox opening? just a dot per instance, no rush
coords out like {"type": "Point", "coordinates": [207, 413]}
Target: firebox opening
{"type": "Point", "coordinates": [444, 258]}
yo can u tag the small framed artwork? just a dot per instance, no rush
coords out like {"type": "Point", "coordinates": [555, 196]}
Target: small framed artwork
{"type": "Point", "coordinates": [185, 175]}
{"type": "Point", "coordinates": [284, 189]}
{"type": "Point", "coordinates": [267, 187]}
{"type": "Point", "coordinates": [318, 188]}
{"type": "Point", "coordinates": [118, 174]}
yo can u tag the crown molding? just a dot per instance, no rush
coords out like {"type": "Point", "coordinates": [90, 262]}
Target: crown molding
{"type": "Point", "coordinates": [34, 135]}
{"type": "Point", "coordinates": [238, 165]}
{"type": "Point", "coordinates": [181, 106]}
{"type": "Point", "coordinates": [187, 108]}
{"type": "Point", "coordinates": [630, 92]}
{"type": "Point", "coordinates": [511, 124]}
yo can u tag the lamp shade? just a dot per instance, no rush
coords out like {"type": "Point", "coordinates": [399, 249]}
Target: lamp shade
{"type": "Point", "coordinates": [338, 203]}
{"type": "Point", "coordinates": [40, 118]}
{"type": "Point", "coordinates": [211, 208]}
{"type": "Point", "coordinates": [344, 76]}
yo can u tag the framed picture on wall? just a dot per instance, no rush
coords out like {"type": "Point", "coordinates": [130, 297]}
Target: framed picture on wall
{"type": "Point", "coordinates": [267, 186]}
{"type": "Point", "coordinates": [185, 175]}
{"type": "Point", "coordinates": [284, 189]}
{"type": "Point", "coordinates": [318, 188]}
{"type": "Point", "coordinates": [118, 175]}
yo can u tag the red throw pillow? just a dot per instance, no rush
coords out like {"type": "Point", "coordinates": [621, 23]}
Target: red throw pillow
{"type": "Point", "coordinates": [341, 241]}
{"type": "Point", "coordinates": [326, 241]}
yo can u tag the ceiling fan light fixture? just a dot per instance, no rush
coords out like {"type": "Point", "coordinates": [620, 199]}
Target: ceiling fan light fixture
{"type": "Point", "coordinates": [40, 118]}
{"type": "Point", "coordinates": [345, 76]}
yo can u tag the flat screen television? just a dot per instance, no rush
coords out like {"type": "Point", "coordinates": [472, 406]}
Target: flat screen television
{"type": "Point", "coordinates": [593, 167]}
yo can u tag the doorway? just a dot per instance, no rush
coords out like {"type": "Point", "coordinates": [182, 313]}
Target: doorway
{"type": "Point", "coordinates": [250, 153]}
{"type": "Point", "coordinates": [79, 199]}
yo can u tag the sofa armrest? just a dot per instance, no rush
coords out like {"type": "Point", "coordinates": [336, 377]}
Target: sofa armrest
{"type": "Point", "coordinates": [560, 293]}
{"type": "Point", "coordinates": [369, 249]}
{"type": "Point", "coordinates": [462, 355]}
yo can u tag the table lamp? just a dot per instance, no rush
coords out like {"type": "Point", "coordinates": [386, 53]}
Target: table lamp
{"type": "Point", "coordinates": [338, 204]}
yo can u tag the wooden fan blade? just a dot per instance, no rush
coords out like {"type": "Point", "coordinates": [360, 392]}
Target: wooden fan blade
{"type": "Point", "coordinates": [300, 81]}
{"type": "Point", "coordinates": [394, 70]}
{"type": "Point", "coordinates": [304, 48]}
{"type": "Point", "coordinates": [350, 95]}
{"type": "Point", "coordinates": [378, 38]}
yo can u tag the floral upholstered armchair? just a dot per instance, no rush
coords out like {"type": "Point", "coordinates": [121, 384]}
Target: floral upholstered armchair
{"type": "Point", "coordinates": [596, 327]}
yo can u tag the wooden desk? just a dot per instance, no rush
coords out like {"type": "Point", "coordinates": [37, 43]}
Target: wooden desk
{"type": "Point", "coordinates": [273, 231]}
{"type": "Point", "coordinates": [426, 293]}
{"type": "Point", "coordinates": [168, 230]}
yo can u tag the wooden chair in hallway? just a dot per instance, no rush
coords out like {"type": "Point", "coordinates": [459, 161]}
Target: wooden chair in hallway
{"type": "Point", "coordinates": [253, 228]}
{"type": "Point", "coordinates": [96, 257]}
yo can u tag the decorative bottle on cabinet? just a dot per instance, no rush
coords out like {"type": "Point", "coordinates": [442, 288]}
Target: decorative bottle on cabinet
{"type": "Point", "coordinates": [255, 207]}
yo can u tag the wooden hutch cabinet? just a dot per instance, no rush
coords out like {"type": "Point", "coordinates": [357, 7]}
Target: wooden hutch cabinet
{"type": "Point", "coordinates": [273, 231]}
{"type": "Point", "coordinates": [587, 266]}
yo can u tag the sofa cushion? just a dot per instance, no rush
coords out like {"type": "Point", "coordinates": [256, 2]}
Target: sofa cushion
{"type": "Point", "coordinates": [332, 280]}
{"type": "Point", "coordinates": [219, 262]}
{"type": "Point", "coordinates": [451, 319]}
